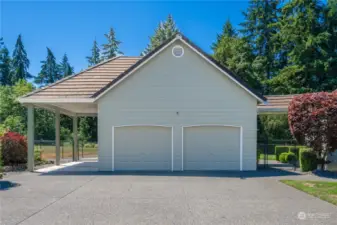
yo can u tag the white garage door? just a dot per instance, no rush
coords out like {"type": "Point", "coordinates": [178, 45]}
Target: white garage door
{"type": "Point", "coordinates": [142, 148]}
{"type": "Point", "coordinates": [211, 148]}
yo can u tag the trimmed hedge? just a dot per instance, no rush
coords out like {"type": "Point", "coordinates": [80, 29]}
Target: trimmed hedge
{"type": "Point", "coordinates": [291, 157]}
{"type": "Point", "coordinates": [279, 150]}
{"type": "Point", "coordinates": [295, 150]}
{"type": "Point", "coordinates": [308, 160]}
{"type": "Point", "coordinates": [282, 157]}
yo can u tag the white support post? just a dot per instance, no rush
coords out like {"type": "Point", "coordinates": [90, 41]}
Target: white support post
{"type": "Point", "coordinates": [57, 136]}
{"type": "Point", "coordinates": [30, 137]}
{"type": "Point", "coordinates": [75, 133]}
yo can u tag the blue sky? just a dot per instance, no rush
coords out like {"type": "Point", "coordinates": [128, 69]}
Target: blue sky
{"type": "Point", "coordinates": [71, 26]}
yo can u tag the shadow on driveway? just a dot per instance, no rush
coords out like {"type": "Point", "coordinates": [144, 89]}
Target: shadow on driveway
{"type": "Point", "coordinates": [90, 168]}
{"type": "Point", "coordinates": [6, 185]}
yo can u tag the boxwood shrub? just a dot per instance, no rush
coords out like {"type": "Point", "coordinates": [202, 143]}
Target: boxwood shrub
{"type": "Point", "coordinates": [279, 150]}
{"type": "Point", "coordinates": [282, 157]}
{"type": "Point", "coordinates": [308, 160]}
{"type": "Point", "coordinates": [295, 150]}
{"type": "Point", "coordinates": [291, 157]}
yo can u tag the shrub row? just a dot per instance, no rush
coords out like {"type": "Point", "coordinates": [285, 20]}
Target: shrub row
{"type": "Point", "coordinates": [285, 149]}
{"type": "Point", "coordinates": [287, 157]}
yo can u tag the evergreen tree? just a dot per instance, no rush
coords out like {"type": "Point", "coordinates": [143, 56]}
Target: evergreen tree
{"type": "Point", "coordinates": [305, 37]}
{"type": "Point", "coordinates": [20, 62]}
{"type": "Point", "coordinates": [111, 49]}
{"type": "Point", "coordinates": [236, 54]}
{"type": "Point", "coordinates": [65, 67]}
{"type": "Point", "coordinates": [5, 65]}
{"type": "Point", "coordinates": [95, 55]}
{"type": "Point", "coordinates": [227, 31]}
{"type": "Point", "coordinates": [163, 32]}
{"type": "Point", "coordinates": [258, 29]}
{"type": "Point", "coordinates": [330, 21]}
{"type": "Point", "coordinates": [49, 70]}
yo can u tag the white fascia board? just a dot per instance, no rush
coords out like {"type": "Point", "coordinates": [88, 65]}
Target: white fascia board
{"type": "Point", "coordinates": [55, 100]}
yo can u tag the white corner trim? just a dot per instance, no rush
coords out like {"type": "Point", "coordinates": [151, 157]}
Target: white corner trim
{"type": "Point", "coordinates": [212, 125]}
{"type": "Point", "coordinates": [182, 148]}
{"type": "Point", "coordinates": [141, 125]}
{"type": "Point", "coordinates": [139, 66]}
{"type": "Point", "coordinates": [172, 150]}
{"type": "Point", "coordinates": [241, 149]}
{"type": "Point", "coordinates": [113, 149]}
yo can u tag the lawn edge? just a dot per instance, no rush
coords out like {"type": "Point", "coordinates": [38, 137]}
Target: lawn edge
{"type": "Point", "coordinates": [314, 195]}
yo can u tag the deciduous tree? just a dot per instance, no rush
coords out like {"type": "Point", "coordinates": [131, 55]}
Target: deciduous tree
{"type": "Point", "coordinates": [313, 122]}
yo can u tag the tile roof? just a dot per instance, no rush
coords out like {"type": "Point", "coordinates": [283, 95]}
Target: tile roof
{"type": "Point", "coordinates": [86, 83]}
{"type": "Point", "coordinates": [277, 102]}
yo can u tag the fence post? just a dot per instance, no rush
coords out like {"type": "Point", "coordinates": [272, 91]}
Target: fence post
{"type": "Point", "coordinates": [266, 152]}
{"type": "Point", "coordinates": [62, 150]}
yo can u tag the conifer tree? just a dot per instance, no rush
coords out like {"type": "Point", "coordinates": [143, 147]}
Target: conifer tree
{"type": "Point", "coordinates": [306, 39]}
{"type": "Point", "coordinates": [258, 29]}
{"type": "Point", "coordinates": [111, 49]}
{"type": "Point", "coordinates": [227, 31]}
{"type": "Point", "coordinates": [20, 62]}
{"type": "Point", "coordinates": [65, 68]}
{"type": "Point", "coordinates": [5, 65]}
{"type": "Point", "coordinates": [95, 55]}
{"type": "Point", "coordinates": [163, 32]}
{"type": "Point", "coordinates": [49, 70]}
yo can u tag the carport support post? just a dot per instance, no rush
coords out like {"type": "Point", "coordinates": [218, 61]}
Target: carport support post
{"type": "Point", "coordinates": [57, 136]}
{"type": "Point", "coordinates": [30, 138]}
{"type": "Point", "coordinates": [75, 133]}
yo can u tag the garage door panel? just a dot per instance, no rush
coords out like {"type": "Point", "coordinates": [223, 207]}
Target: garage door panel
{"type": "Point", "coordinates": [142, 148]}
{"type": "Point", "coordinates": [211, 148]}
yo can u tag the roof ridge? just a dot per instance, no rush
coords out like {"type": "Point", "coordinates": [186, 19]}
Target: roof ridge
{"type": "Point", "coordinates": [69, 77]}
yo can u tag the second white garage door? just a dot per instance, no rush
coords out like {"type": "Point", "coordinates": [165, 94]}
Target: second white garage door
{"type": "Point", "coordinates": [142, 148]}
{"type": "Point", "coordinates": [211, 148]}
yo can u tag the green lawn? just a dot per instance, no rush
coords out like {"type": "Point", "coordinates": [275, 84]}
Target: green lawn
{"type": "Point", "coordinates": [269, 157]}
{"type": "Point", "coordinates": [66, 151]}
{"type": "Point", "coordinates": [324, 190]}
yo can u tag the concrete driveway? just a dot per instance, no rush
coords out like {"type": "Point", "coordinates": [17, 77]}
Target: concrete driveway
{"type": "Point", "coordinates": [158, 198]}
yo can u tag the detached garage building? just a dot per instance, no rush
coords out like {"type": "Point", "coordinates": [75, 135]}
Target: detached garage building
{"type": "Point", "coordinates": [174, 109]}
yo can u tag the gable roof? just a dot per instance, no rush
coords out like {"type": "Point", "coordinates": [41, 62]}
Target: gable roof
{"type": "Point", "coordinates": [93, 83]}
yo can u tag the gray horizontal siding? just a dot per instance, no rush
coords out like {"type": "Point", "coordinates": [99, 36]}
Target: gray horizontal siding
{"type": "Point", "coordinates": [178, 92]}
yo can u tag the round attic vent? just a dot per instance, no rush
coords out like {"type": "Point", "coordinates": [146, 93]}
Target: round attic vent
{"type": "Point", "coordinates": [177, 51]}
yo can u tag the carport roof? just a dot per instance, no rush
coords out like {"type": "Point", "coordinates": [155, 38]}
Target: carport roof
{"type": "Point", "coordinates": [275, 104]}
{"type": "Point", "coordinates": [85, 83]}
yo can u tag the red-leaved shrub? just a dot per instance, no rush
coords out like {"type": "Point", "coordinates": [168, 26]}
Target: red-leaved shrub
{"type": "Point", "coordinates": [13, 148]}
{"type": "Point", "coordinates": [313, 122]}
